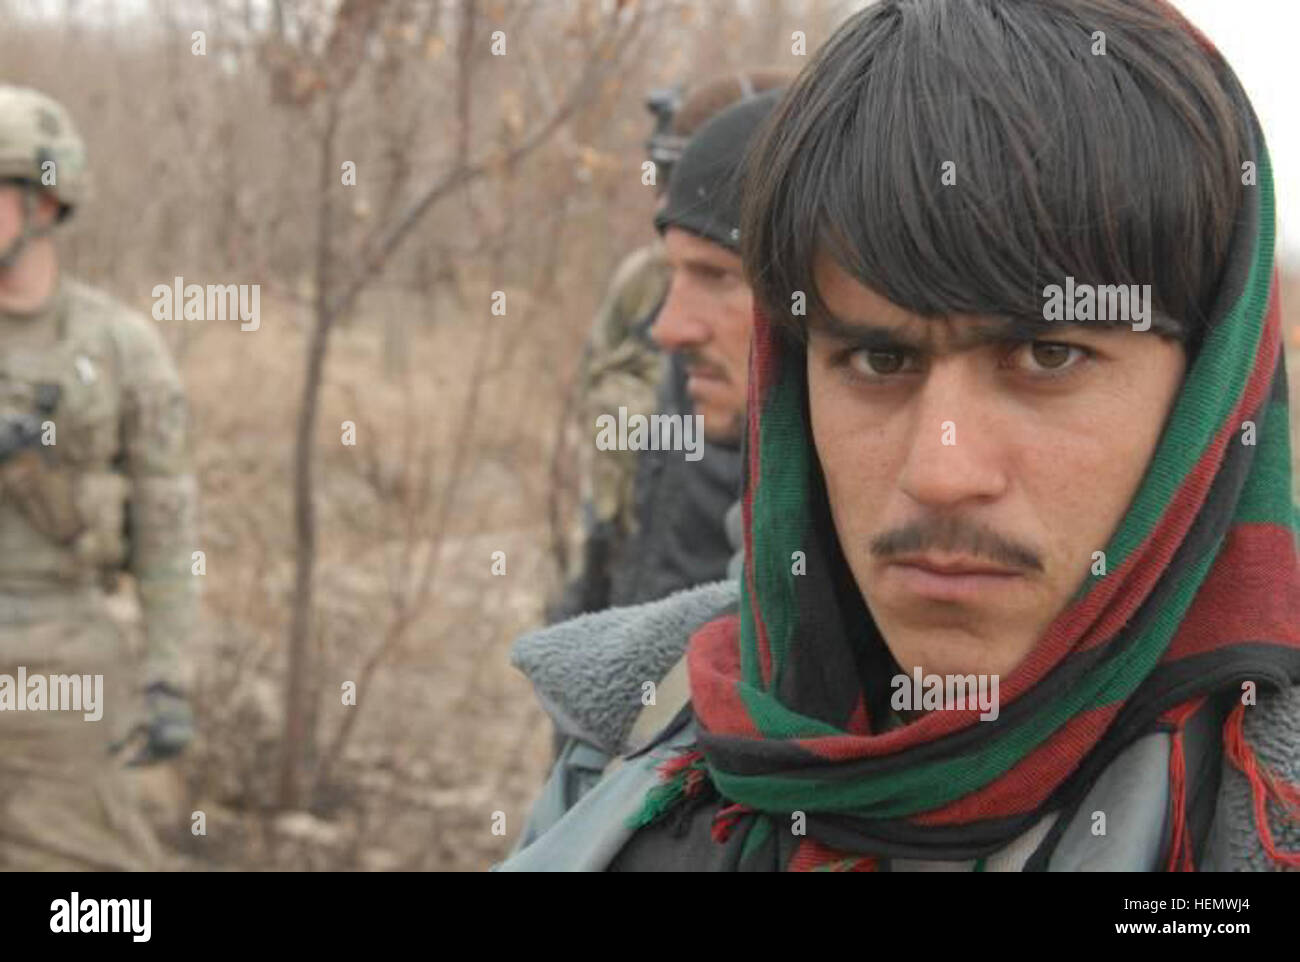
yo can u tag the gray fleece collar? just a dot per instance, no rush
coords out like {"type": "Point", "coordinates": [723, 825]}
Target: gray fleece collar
{"type": "Point", "coordinates": [589, 672]}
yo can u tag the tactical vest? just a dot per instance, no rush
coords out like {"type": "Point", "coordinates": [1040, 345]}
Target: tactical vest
{"type": "Point", "coordinates": [62, 503]}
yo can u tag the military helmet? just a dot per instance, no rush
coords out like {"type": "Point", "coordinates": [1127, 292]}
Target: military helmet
{"type": "Point", "coordinates": [40, 145]}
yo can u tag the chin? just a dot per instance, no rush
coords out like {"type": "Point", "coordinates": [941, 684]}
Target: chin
{"type": "Point", "coordinates": [722, 427]}
{"type": "Point", "coordinates": [950, 650]}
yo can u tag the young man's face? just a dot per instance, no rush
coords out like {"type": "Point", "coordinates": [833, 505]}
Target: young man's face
{"type": "Point", "coordinates": [707, 318]}
{"type": "Point", "coordinates": [1048, 443]}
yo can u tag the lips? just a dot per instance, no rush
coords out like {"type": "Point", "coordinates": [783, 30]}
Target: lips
{"type": "Point", "coordinates": [937, 578]}
{"type": "Point", "coordinates": [952, 565]}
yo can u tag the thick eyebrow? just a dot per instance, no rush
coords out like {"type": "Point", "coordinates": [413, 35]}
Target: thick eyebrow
{"type": "Point", "coordinates": [700, 262]}
{"type": "Point", "coordinates": [965, 336]}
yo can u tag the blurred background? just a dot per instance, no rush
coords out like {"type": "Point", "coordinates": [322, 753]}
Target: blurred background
{"type": "Point", "coordinates": [218, 130]}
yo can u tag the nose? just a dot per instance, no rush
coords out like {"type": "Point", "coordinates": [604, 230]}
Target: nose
{"type": "Point", "coordinates": [957, 445]}
{"type": "Point", "coordinates": [679, 325]}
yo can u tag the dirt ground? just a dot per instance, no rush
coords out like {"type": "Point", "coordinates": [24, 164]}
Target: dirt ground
{"type": "Point", "coordinates": [448, 733]}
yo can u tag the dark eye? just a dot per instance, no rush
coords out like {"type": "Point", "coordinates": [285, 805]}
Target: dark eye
{"type": "Point", "coordinates": [1051, 355]}
{"type": "Point", "coordinates": [877, 363]}
{"type": "Point", "coordinates": [1046, 357]}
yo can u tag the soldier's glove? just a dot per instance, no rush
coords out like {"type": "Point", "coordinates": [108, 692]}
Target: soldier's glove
{"type": "Point", "coordinates": [169, 725]}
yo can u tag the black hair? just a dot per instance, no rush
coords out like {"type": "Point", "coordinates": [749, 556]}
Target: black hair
{"type": "Point", "coordinates": [1122, 167]}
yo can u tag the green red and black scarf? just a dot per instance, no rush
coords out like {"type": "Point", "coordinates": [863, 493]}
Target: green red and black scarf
{"type": "Point", "coordinates": [1202, 594]}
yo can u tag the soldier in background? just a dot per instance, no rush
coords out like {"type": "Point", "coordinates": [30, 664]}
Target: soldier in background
{"type": "Point", "coordinates": [94, 482]}
{"type": "Point", "coordinates": [620, 364]}
{"type": "Point", "coordinates": [652, 525]}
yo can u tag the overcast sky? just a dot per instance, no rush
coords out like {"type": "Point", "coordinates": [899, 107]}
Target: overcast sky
{"type": "Point", "coordinates": [1261, 39]}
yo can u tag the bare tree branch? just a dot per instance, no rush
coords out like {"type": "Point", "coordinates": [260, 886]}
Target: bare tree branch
{"type": "Point", "coordinates": [386, 242]}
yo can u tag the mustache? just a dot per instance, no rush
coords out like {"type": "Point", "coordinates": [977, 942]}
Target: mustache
{"type": "Point", "coordinates": [692, 358]}
{"type": "Point", "coordinates": [956, 535]}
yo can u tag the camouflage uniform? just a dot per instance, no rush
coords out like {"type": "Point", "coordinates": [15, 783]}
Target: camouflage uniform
{"type": "Point", "coordinates": [622, 367]}
{"type": "Point", "coordinates": [112, 493]}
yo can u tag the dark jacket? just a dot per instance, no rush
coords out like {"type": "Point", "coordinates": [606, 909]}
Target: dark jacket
{"type": "Point", "coordinates": [681, 505]}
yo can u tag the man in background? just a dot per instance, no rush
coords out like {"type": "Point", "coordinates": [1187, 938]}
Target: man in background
{"type": "Point", "coordinates": [705, 324]}
{"type": "Point", "coordinates": [653, 522]}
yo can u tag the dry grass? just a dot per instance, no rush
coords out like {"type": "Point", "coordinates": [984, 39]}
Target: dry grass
{"type": "Point", "coordinates": [450, 733]}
